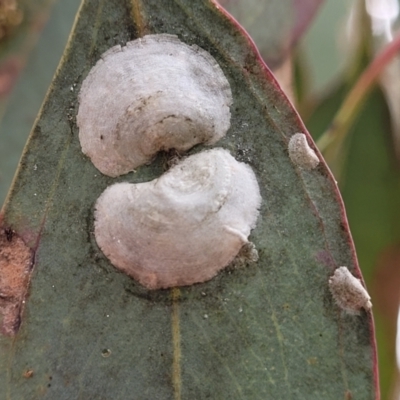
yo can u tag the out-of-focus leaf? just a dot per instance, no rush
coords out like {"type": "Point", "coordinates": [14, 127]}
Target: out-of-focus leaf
{"type": "Point", "coordinates": [284, 75]}
{"type": "Point", "coordinates": [267, 331]}
{"type": "Point", "coordinates": [275, 26]}
{"type": "Point", "coordinates": [331, 141]}
{"type": "Point", "coordinates": [24, 102]}
{"type": "Point", "coordinates": [335, 48]}
{"type": "Point", "coordinates": [20, 25]}
{"type": "Point", "coordinates": [383, 17]}
{"type": "Point", "coordinates": [324, 109]}
{"type": "Point", "coordinates": [390, 85]}
{"type": "Point", "coordinates": [358, 81]}
{"type": "Point", "coordinates": [385, 289]}
{"type": "Point", "coordinates": [11, 17]}
{"type": "Point", "coordinates": [275, 36]}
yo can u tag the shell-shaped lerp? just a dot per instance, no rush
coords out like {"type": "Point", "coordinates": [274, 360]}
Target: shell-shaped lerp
{"type": "Point", "coordinates": [348, 291]}
{"type": "Point", "coordinates": [156, 93]}
{"type": "Point", "coordinates": [301, 153]}
{"type": "Point", "coordinates": [183, 227]}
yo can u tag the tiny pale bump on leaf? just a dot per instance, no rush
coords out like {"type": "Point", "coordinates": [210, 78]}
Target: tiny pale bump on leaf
{"type": "Point", "coordinates": [301, 153]}
{"type": "Point", "coordinates": [348, 291]}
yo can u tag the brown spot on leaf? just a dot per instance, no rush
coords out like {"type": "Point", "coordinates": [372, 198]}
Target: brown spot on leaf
{"type": "Point", "coordinates": [15, 269]}
{"type": "Point", "coordinates": [28, 373]}
{"type": "Point", "coordinates": [312, 361]}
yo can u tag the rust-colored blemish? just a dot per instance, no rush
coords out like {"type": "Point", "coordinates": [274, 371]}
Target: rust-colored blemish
{"type": "Point", "coordinates": [28, 373]}
{"type": "Point", "coordinates": [15, 269]}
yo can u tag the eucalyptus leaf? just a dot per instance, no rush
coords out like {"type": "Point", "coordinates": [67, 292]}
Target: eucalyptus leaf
{"type": "Point", "coordinates": [269, 330]}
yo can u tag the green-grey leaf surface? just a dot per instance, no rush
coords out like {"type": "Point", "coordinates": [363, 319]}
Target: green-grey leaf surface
{"type": "Point", "coordinates": [269, 330]}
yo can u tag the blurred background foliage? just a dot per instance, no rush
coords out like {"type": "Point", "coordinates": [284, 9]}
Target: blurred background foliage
{"type": "Point", "coordinates": [318, 55]}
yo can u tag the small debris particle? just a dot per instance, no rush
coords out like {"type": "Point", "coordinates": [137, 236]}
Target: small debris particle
{"type": "Point", "coordinates": [348, 291]}
{"type": "Point", "coordinates": [247, 254]}
{"type": "Point", "coordinates": [9, 234]}
{"type": "Point", "coordinates": [106, 353]}
{"type": "Point", "coordinates": [28, 373]}
{"type": "Point", "coordinates": [301, 153]}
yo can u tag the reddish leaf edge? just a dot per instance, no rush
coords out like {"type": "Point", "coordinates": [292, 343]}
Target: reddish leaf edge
{"type": "Point", "coordinates": [338, 197]}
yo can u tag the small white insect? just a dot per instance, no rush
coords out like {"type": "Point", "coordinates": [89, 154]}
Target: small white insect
{"type": "Point", "coordinates": [348, 291]}
{"type": "Point", "coordinates": [301, 153]}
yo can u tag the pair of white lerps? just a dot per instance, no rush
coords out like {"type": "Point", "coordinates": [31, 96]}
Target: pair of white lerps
{"type": "Point", "coordinates": [156, 94]}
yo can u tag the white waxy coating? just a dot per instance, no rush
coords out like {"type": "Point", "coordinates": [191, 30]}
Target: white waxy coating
{"type": "Point", "coordinates": [183, 227]}
{"type": "Point", "coordinates": [301, 153]}
{"type": "Point", "coordinates": [156, 93]}
{"type": "Point", "coordinates": [348, 291]}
